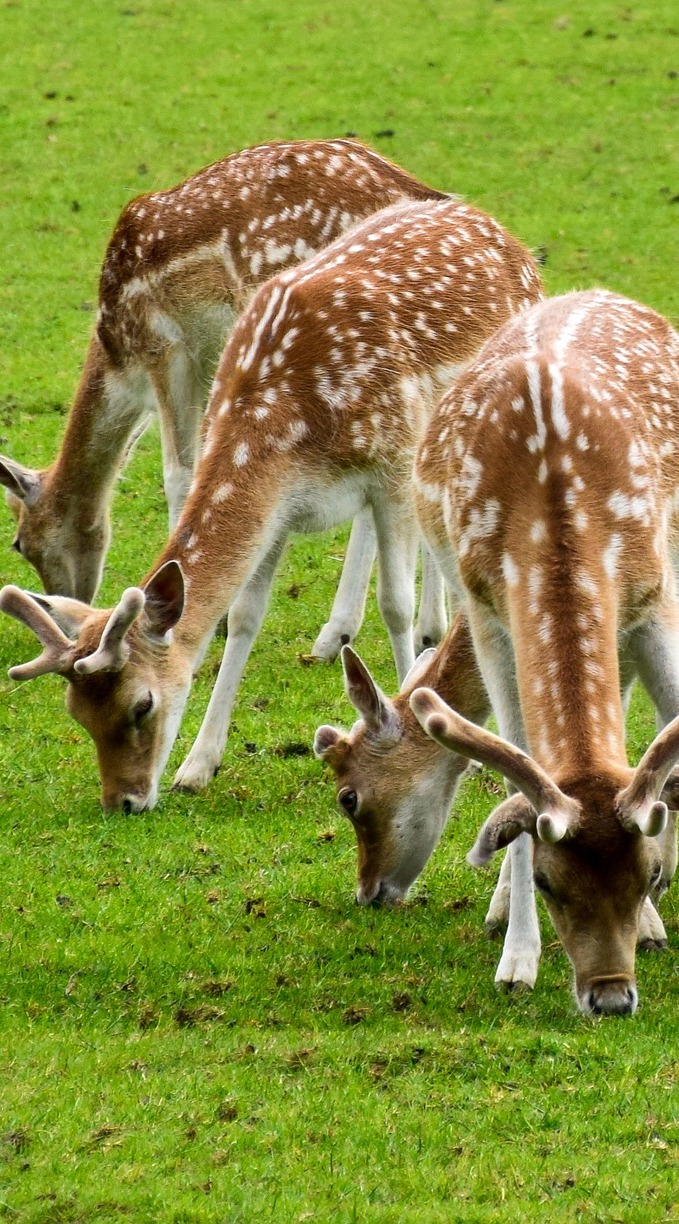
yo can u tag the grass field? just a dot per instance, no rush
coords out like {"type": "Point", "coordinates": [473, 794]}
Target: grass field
{"type": "Point", "coordinates": [196, 1022]}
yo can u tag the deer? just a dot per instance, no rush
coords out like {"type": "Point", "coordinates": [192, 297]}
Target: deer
{"type": "Point", "coordinates": [546, 486]}
{"type": "Point", "coordinates": [180, 266]}
{"type": "Point", "coordinates": [320, 397]}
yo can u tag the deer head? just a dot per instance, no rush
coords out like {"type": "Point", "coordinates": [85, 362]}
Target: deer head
{"type": "Point", "coordinates": [595, 858]}
{"type": "Point", "coordinates": [127, 678]}
{"type": "Point", "coordinates": [395, 785]}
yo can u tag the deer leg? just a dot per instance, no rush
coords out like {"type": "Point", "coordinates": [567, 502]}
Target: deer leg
{"type": "Point", "coordinates": [655, 649]}
{"type": "Point", "coordinates": [652, 936]}
{"type": "Point", "coordinates": [628, 674]}
{"type": "Point", "coordinates": [180, 410]}
{"type": "Point", "coordinates": [396, 559]}
{"type": "Point", "coordinates": [520, 958]}
{"type": "Point", "coordinates": [432, 619]}
{"type": "Point", "coordinates": [346, 614]}
{"type": "Point", "coordinates": [497, 916]}
{"type": "Point", "coordinates": [246, 614]}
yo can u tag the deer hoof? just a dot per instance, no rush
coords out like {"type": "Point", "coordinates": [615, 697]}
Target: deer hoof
{"type": "Point", "coordinates": [193, 776]}
{"type": "Point", "coordinates": [517, 970]}
{"type": "Point", "coordinates": [329, 643]}
{"type": "Point", "coordinates": [517, 987]}
{"type": "Point", "coordinates": [653, 945]}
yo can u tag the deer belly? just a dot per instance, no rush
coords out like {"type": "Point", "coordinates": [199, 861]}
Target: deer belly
{"type": "Point", "coordinates": [322, 504]}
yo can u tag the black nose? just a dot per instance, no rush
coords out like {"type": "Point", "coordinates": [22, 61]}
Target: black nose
{"type": "Point", "coordinates": [127, 807]}
{"type": "Point", "coordinates": [604, 1003]}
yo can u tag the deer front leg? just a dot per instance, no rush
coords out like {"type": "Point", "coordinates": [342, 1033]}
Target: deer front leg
{"type": "Point", "coordinates": [652, 935]}
{"type": "Point", "coordinates": [246, 614]}
{"type": "Point", "coordinates": [348, 609]}
{"type": "Point", "coordinates": [518, 967]}
{"type": "Point", "coordinates": [655, 650]}
{"type": "Point", "coordinates": [180, 409]}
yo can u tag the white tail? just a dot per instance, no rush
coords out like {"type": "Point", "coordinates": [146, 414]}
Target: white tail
{"type": "Point", "coordinates": [317, 406]}
{"type": "Point", "coordinates": [180, 265]}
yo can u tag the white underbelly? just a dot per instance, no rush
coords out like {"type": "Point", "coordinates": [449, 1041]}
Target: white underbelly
{"type": "Point", "coordinates": [321, 504]}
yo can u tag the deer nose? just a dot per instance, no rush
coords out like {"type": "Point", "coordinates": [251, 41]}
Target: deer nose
{"type": "Point", "coordinates": [606, 998]}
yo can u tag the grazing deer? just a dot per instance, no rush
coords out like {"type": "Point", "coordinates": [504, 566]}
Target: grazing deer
{"type": "Point", "coordinates": [547, 480]}
{"type": "Point", "coordinates": [392, 781]}
{"type": "Point", "coordinates": [180, 266]}
{"type": "Point", "coordinates": [316, 409]}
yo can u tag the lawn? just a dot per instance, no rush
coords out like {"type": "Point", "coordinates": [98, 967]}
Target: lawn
{"type": "Point", "coordinates": [197, 1023]}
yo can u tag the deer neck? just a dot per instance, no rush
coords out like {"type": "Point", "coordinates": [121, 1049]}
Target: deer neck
{"type": "Point", "coordinates": [233, 517]}
{"type": "Point", "coordinates": [563, 619]}
{"type": "Point", "coordinates": [105, 410]}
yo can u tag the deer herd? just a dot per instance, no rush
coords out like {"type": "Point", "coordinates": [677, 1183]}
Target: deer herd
{"type": "Point", "coordinates": [380, 351]}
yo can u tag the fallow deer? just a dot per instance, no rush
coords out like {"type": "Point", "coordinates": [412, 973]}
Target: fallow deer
{"type": "Point", "coordinates": [180, 265]}
{"type": "Point", "coordinates": [317, 406]}
{"type": "Point", "coordinates": [547, 484]}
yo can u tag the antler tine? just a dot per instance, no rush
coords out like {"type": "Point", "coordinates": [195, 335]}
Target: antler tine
{"type": "Point", "coordinates": [113, 651]}
{"type": "Point", "coordinates": [57, 647]}
{"type": "Point", "coordinates": [639, 803]}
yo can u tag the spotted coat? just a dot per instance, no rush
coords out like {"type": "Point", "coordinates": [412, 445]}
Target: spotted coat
{"type": "Point", "coordinates": [563, 527]}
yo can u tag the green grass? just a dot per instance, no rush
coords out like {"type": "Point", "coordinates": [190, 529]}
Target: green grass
{"type": "Point", "coordinates": [196, 1022]}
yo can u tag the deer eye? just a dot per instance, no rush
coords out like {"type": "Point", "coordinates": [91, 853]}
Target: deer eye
{"type": "Point", "coordinates": [142, 708]}
{"type": "Point", "coordinates": [348, 799]}
{"type": "Point", "coordinates": [542, 885]}
{"type": "Point", "coordinates": [655, 875]}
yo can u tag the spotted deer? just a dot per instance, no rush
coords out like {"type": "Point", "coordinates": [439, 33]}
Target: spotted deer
{"type": "Point", "coordinates": [546, 485]}
{"type": "Point", "coordinates": [180, 265]}
{"type": "Point", "coordinates": [319, 400]}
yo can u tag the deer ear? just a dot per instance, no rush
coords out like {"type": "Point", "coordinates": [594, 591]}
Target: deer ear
{"type": "Point", "coordinates": [164, 598]}
{"type": "Point", "coordinates": [377, 711]}
{"type": "Point", "coordinates": [514, 816]}
{"type": "Point", "coordinates": [418, 669]}
{"type": "Point", "coordinates": [21, 481]}
{"type": "Point", "coordinates": [325, 738]}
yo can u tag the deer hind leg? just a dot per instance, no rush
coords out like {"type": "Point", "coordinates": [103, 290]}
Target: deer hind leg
{"type": "Point", "coordinates": [432, 619]}
{"type": "Point", "coordinates": [346, 614]}
{"type": "Point", "coordinates": [397, 542]}
{"type": "Point", "coordinates": [348, 609]}
{"type": "Point", "coordinates": [520, 958]}
{"type": "Point", "coordinates": [180, 404]}
{"type": "Point", "coordinates": [246, 614]}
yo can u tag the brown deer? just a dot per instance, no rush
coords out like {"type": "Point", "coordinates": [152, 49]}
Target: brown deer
{"type": "Point", "coordinates": [322, 393]}
{"type": "Point", "coordinates": [547, 481]}
{"type": "Point", "coordinates": [180, 266]}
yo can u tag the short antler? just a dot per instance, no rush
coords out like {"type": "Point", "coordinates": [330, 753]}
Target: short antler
{"type": "Point", "coordinates": [113, 651]}
{"type": "Point", "coordinates": [58, 649]}
{"type": "Point", "coordinates": [640, 804]}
